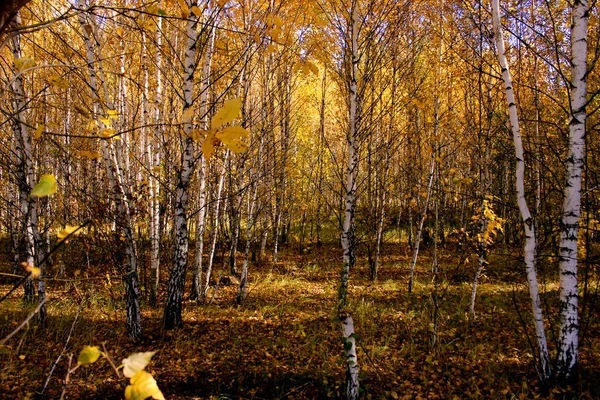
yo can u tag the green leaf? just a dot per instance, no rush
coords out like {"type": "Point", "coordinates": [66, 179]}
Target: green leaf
{"type": "Point", "coordinates": [45, 187]}
{"type": "Point", "coordinates": [88, 355]}
{"type": "Point", "coordinates": [230, 111]}
{"type": "Point", "coordinates": [136, 363]}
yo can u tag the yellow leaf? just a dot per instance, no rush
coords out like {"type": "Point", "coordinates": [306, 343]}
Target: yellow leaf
{"type": "Point", "coordinates": [88, 355]}
{"type": "Point", "coordinates": [24, 63]}
{"type": "Point", "coordinates": [92, 155]}
{"type": "Point", "coordinates": [112, 113]}
{"type": "Point", "coordinates": [276, 32]}
{"type": "Point", "coordinates": [69, 230]}
{"type": "Point", "coordinates": [230, 111]}
{"type": "Point", "coordinates": [187, 115]}
{"type": "Point", "coordinates": [278, 21]}
{"type": "Point", "coordinates": [143, 386]}
{"type": "Point", "coordinates": [56, 80]}
{"type": "Point", "coordinates": [270, 49]}
{"type": "Point", "coordinates": [231, 133]}
{"type": "Point", "coordinates": [107, 132]}
{"type": "Point", "coordinates": [105, 121]}
{"type": "Point", "coordinates": [197, 11]}
{"type": "Point", "coordinates": [136, 363]}
{"type": "Point", "coordinates": [91, 126]}
{"type": "Point", "coordinates": [38, 132]}
{"type": "Point", "coordinates": [45, 187]}
{"type": "Point", "coordinates": [221, 44]}
{"type": "Point", "coordinates": [198, 134]}
{"type": "Point", "coordinates": [185, 11]}
{"type": "Point", "coordinates": [208, 147]}
{"type": "Point", "coordinates": [313, 68]}
{"type": "Point", "coordinates": [221, 3]}
{"type": "Point", "coordinates": [33, 271]}
{"type": "Point", "coordinates": [237, 146]}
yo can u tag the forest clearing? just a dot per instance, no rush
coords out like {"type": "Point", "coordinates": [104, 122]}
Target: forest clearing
{"type": "Point", "coordinates": [275, 199]}
{"type": "Point", "coordinates": [284, 342]}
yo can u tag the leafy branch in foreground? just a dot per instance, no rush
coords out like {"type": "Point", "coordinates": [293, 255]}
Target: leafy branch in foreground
{"type": "Point", "coordinates": [142, 384]}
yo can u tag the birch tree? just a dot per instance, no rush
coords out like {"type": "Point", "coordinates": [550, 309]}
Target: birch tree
{"type": "Point", "coordinates": [348, 227]}
{"type": "Point", "coordinates": [30, 237]}
{"type": "Point", "coordinates": [568, 343]}
{"type": "Point", "coordinates": [113, 170]}
{"type": "Point", "coordinates": [175, 291]}
{"type": "Point", "coordinates": [544, 367]}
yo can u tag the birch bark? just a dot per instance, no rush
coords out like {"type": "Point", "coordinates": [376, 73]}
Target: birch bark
{"type": "Point", "coordinates": [115, 177]}
{"type": "Point", "coordinates": [543, 367]}
{"type": "Point", "coordinates": [25, 172]}
{"type": "Point", "coordinates": [175, 291]}
{"type": "Point", "coordinates": [154, 162]}
{"type": "Point", "coordinates": [568, 348]}
{"type": "Point", "coordinates": [202, 174]}
{"type": "Point", "coordinates": [348, 240]}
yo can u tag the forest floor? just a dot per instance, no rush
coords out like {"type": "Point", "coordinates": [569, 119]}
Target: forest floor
{"type": "Point", "coordinates": [284, 343]}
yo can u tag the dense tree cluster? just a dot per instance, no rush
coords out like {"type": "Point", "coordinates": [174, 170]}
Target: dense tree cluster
{"type": "Point", "coordinates": [182, 134]}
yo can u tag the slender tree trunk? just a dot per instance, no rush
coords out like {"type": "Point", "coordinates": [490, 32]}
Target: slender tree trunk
{"type": "Point", "coordinates": [25, 174]}
{"type": "Point", "coordinates": [116, 181]}
{"type": "Point", "coordinates": [348, 239]}
{"type": "Point", "coordinates": [420, 228]}
{"type": "Point", "coordinates": [202, 174]}
{"type": "Point", "coordinates": [568, 349]}
{"type": "Point", "coordinates": [243, 289]}
{"type": "Point", "coordinates": [544, 368]}
{"type": "Point", "coordinates": [153, 183]}
{"type": "Point", "coordinates": [215, 229]}
{"type": "Point", "coordinates": [176, 285]}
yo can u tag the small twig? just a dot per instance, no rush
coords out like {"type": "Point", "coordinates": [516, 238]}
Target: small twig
{"type": "Point", "coordinates": [370, 360]}
{"type": "Point", "coordinates": [63, 350]}
{"type": "Point", "coordinates": [66, 382]}
{"type": "Point", "coordinates": [18, 328]}
{"type": "Point", "coordinates": [15, 287]}
{"type": "Point", "coordinates": [294, 390]}
{"type": "Point", "coordinates": [110, 361]}
{"type": "Point", "coordinates": [524, 326]}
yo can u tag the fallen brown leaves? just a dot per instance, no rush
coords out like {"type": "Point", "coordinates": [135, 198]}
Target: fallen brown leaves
{"type": "Point", "coordinates": [284, 342]}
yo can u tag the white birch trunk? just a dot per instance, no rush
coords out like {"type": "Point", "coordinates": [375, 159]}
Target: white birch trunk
{"type": "Point", "coordinates": [348, 335]}
{"type": "Point", "coordinates": [116, 181]}
{"type": "Point", "coordinates": [544, 368]}
{"type": "Point", "coordinates": [215, 229]}
{"type": "Point", "coordinates": [154, 162]}
{"type": "Point", "coordinates": [568, 350]}
{"type": "Point", "coordinates": [25, 173]}
{"type": "Point", "coordinates": [421, 224]}
{"type": "Point", "coordinates": [176, 286]}
{"type": "Point", "coordinates": [348, 240]}
{"type": "Point", "coordinates": [202, 172]}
